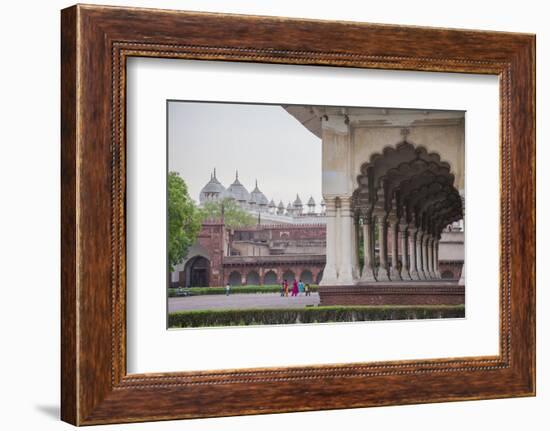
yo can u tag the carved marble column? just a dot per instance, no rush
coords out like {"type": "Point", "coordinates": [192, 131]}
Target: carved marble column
{"type": "Point", "coordinates": [347, 272]}
{"type": "Point", "coordinates": [330, 274]}
{"type": "Point", "coordinates": [436, 259]}
{"type": "Point", "coordinates": [420, 257]}
{"type": "Point", "coordinates": [405, 264]}
{"type": "Point", "coordinates": [425, 270]}
{"type": "Point", "coordinates": [368, 240]}
{"type": "Point", "coordinates": [394, 271]}
{"type": "Point", "coordinates": [413, 257]}
{"type": "Point", "coordinates": [383, 273]}
{"type": "Point", "coordinates": [462, 280]}
{"type": "Point", "coordinates": [429, 246]}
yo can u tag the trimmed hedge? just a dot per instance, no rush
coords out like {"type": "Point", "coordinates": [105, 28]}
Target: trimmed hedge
{"type": "Point", "coordinates": [283, 316]}
{"type": "Point", "coordinates": [173, 292]}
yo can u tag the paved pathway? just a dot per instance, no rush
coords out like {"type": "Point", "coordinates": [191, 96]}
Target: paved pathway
{"type": "Point", "coordinates": [241, 300]}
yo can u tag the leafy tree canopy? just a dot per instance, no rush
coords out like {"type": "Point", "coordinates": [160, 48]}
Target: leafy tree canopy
{"type": "Point", "coordinates": [234, 216]}
{"type": "Point", "coordinates": [184, 220]}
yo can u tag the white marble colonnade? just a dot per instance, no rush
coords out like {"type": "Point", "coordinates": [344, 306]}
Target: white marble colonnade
{"type": "Point", "coordinates": [401, 253]}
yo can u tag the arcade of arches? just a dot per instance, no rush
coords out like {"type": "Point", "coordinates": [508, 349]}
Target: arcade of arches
{"type": "Point", "coordinates": [393, 184]}
{"type": "Point", "coordinates": [274, 276]}
{"type": "Point", "coordinates": [404, 200]}
{"type": "Point", "coordinates": [198, 269]}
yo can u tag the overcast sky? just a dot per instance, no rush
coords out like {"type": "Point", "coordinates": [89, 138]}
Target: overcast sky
{"type": "Point", "coordinates": [262, 142]}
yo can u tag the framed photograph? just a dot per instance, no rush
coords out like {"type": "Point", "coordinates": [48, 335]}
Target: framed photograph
{"type": "Point", "coordinates": [261, 217]}
{"type": "Point", "coordinates": [359, 247]}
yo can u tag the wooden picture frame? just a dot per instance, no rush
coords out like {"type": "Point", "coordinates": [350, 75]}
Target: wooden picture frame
{"type": "Point", "coordinates": [95, 43]}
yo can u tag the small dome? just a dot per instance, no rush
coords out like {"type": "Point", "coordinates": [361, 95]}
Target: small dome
{"type": "Point", "coordinates": [237, 191]}
{"type": "Point", "coordinates": [257, 196]}
{"type": "Point", "coordinates": [272, 204]}
{"type": "Point", "coordinates": [311, 202]}
{"type": "Point", "coordinates": [297, 201]}
{"type": "Point", "coordinates": [213, 190]}
{"type": "Point", "coordinates": [281, 205]}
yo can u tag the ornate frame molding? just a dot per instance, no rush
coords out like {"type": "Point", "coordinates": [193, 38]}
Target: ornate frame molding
{"type": "Point", "coordinates": [96, 41]}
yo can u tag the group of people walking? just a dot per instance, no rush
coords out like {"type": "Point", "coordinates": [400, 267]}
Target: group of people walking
{"type": "Point", "coordinates": [298, 287]}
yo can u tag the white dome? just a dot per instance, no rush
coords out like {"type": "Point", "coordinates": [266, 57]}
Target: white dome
{"type": "Point", "coordinates": [213, 190]}
{"type": "Point", "coordinates": [257, 196]}
{"type": "Point", "coordinates": [237, 191]}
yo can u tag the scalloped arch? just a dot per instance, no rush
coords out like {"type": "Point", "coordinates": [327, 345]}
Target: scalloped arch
{"type": "Point", "coordinates": [410, 180]}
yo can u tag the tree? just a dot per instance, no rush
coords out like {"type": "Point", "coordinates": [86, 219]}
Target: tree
{"type": "Point", "coordinates": [234, 216]}
{"type": "Point", "coordinates": [184, 220]}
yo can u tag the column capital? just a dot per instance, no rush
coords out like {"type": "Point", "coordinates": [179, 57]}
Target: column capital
{"type": "Point", "coordinates": [337, 123]}
{"type": "Point", "coordinates": [366, 218]}
{"type": "Point", "coordinates": [403, 227]}
{"type": "Point", "coordinates": [345, 200]}
{"type": "Point", "coordinates": [330, 205]}
{"type": "Point", "coordinates": [345, 206]}
{"type": "Point", "coordinates": [329, 200]}
{"type": "Point", "coordinates": [380, 214]}
{"type": "Point", "coordinates": [392, 219]}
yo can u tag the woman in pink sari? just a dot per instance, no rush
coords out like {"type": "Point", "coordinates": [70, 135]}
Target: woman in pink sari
{"type": "Point", "coordinates": [294, 288]}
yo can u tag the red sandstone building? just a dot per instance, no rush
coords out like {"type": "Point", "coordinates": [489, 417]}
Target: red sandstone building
{"type": "Point", "coordinates": [257, 255]}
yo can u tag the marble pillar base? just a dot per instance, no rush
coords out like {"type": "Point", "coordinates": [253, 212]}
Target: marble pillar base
{"type": "Point", "coordinates": [346, 277]}
{"type": "Point", "coordinates": [383, 275]}
{"type": "Point", "coordinates": [330, 277]}
{"type": "Point", "coordinates": [405, 276]}
{"type": "Point", "coordinates": [367, 275]}
{"type": "Point", "coordinates": [394, 275]}
{"type": "Point", "coordinates": [414, 275]}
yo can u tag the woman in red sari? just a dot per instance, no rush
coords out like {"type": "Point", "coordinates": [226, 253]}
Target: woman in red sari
{"type": "Point", "coordinates": [294, 288]}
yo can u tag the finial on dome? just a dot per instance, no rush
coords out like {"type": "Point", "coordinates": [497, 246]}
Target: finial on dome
{"type": "Point", "coordinates": [214, 172]}
{"type": "Point", "coordinates": [237, 174]}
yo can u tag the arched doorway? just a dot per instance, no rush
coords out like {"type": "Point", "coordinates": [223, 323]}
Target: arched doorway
{"type": "Point", "coordinates": [235, 278]}
{"type": "Point", "coordinates": [253, 278]}
{"type": "Point", "coordinates": [270, 278]}
{"type": "Point", "coordinates": [197, 272]}
{"type": "Point", "coordinates": [289, 276]}
{"type": "Point", "coordinates": [306, 276]}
